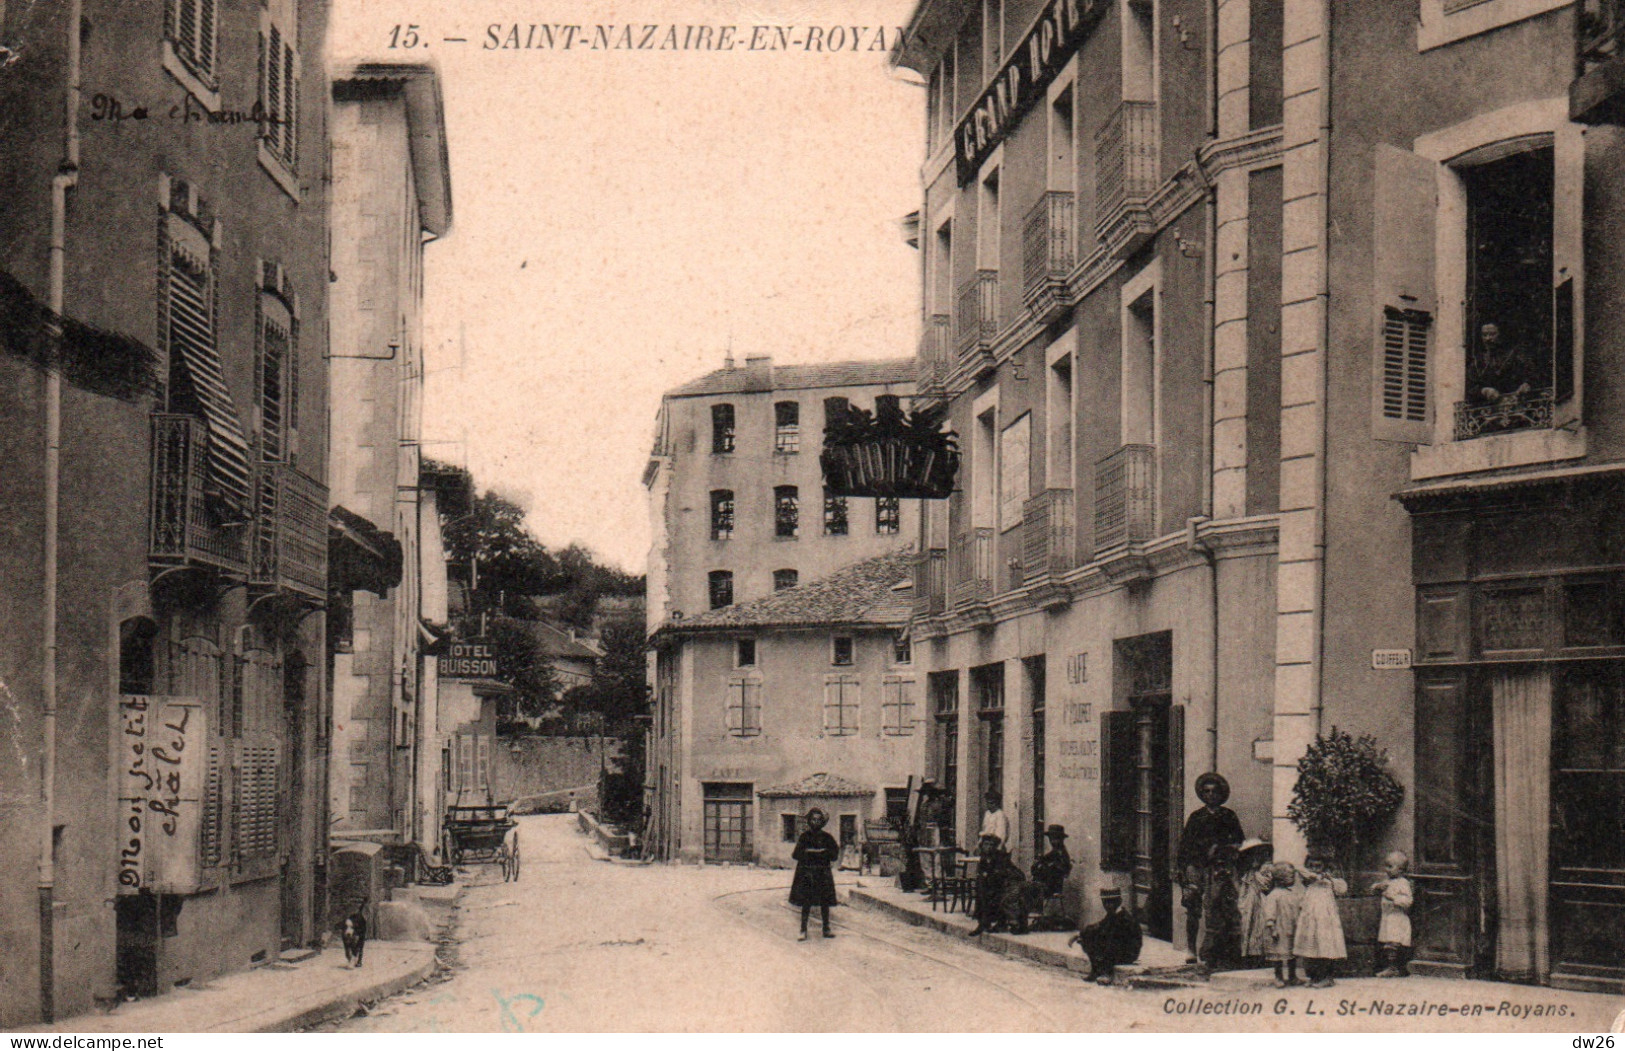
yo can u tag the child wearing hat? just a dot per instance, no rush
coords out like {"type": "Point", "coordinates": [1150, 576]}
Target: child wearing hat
{"type": "Point", "coordinates": [1112, 941]}
{"type": "Point", "coordinates": [813, 883]}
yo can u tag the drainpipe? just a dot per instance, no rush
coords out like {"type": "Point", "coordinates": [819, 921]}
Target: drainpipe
{"type": "Point", "coordinates": [1323, 294]}
{"type": "Point", "coordinates": [67, 177]}
{"type": "Point", "coordinates": [1210, 231]}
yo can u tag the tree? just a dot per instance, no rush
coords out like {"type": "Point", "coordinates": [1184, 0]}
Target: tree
{"type": "Point", "coordinates": [507, 559]}
{"type": "Point", "coordinates": [522, 664]}
{"type": "Point", "coordinates": [1345, 795]}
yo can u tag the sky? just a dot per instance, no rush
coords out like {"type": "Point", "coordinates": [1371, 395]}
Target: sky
{"type": "Point", "coordinates": [623, 218]}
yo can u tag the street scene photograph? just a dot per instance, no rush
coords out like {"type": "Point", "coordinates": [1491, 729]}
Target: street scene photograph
{"type": "Point", "coordinates": [812, 517]}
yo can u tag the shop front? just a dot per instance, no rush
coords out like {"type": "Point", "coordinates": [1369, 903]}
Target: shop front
{"type": "Point", "coordinates": [1520, 728]}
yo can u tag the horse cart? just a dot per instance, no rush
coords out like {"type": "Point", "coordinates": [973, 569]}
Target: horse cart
{"type": "Point", "coordinates": [482, 835]}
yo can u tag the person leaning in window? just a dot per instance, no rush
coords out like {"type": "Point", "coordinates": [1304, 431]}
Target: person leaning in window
{"type": "Point", "coordinates": [816, 850]}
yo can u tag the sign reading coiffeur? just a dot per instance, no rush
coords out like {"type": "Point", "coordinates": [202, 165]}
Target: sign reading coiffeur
{"type": "Point", "coordinates": [469, 660]}
{"type": "Point", "coordinates": [1023, 80]}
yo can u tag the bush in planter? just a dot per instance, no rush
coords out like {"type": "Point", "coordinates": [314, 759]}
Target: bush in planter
{"type": "Point", "coordinates": [1345, 795]}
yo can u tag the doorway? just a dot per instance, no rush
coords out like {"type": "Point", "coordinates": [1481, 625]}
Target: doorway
{"type": "Point", "coordinates": [1145, 739]}
{"type": "Point", "coordinates": [727, 819]}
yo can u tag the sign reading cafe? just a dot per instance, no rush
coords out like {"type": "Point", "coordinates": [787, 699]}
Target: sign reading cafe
{"type": "Point", "coordinates": [1023, 79]}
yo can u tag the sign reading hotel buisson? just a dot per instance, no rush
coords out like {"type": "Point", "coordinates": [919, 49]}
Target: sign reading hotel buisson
{"type": "Point", "coordinates": [475, 660]}
{"type": "Point", "coordinates": [1023, 79]}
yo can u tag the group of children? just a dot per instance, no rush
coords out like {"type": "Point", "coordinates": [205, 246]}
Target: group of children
{"type": "Point", "coordinates": [1287, 914]}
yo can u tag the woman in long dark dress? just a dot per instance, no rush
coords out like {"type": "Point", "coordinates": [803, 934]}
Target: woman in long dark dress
{"type": "Point", "coordinates": [816, 850]}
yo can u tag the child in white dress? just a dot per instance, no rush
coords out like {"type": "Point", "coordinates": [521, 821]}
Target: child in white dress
{"type": "Point", "coordinates": [1318, 941]}
{"type": "Point", "coordinates": [1394, 932]}
{"type": "Point", "coordinates": [1280, 916]}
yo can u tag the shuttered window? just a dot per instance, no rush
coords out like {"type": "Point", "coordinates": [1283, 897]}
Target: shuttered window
{"type": "Point", "coordinates": [1405, 337]}
{"type": "Point", "coordinates": [279, 71]}
{"type": "Point", "coordinates": [190, 27]}
{"type": "Point", "coordinates": [897, 707]}
{"type": "Point", "coordinates": [256, 825]}
{"type": "Point", "coordinates": [842, 697]}
{"type": "Point", "coordinates": [196, 379]}
{"type": "Point", "coordinates": [212, 833]}
{"type": "Point", "coordinates": [744, 712]}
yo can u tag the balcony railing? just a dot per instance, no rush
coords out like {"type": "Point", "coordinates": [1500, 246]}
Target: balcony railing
{"type": "Point", "coordinates": [1048, 242]}
{"type": "Point", "coordinates": [1125, 497]}
{"type": "Point", "coordinates": [1597, 95]}
{"type": "Point", "coordinates": [930, 582]}
{"type": "Point", "coordinates": [1046, 541]}
{"type": "Point", "coordinates": [1126, 169]}
{"type": "Point", "coordinates": [1530, 410]}
{"type": "Point", "coordinates": [971, 563]}
{"type": "Point", "coordinates": [290, 533]}
{"type": "Point", "coordinates": [976, 313]}
{"type": "Point", "coordinates": [936, 354]}
{"type": "Point", "coordinates": [184, 530]}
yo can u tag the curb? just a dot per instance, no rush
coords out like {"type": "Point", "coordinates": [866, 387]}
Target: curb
{"type": "Point", "coordinates": [342, 1007]}
{"type": "Point", "coordinates": [1006, 945]}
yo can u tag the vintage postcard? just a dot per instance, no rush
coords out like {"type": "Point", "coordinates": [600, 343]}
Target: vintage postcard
{"type": "Point", "coordinates": [865, 516]}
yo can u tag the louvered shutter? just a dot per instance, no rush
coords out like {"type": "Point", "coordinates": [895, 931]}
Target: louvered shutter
{"type": "Point", "coordinates": [1117, 773]}
{"type": "Point", "coordinates": [1404, 215]}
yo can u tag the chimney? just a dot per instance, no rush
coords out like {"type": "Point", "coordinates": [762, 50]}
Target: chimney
{"type": "Point", "coordinates": [759, 373]}
{"type": "Point", "coordinates": [728, 360]}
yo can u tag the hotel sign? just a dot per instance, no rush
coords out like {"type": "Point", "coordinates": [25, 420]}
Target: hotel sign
{"type": "Point", "coordinates": [469, 660]}
{"type": "Point", "coordinates": [1063, 26]}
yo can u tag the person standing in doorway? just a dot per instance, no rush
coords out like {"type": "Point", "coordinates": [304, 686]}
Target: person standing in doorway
{"type": "Point", "coordinates": [994, 823]}
{"type": "Point", "coordinates": [1207, 827]}
{"type": "Point", "coordinates": [816, 850]}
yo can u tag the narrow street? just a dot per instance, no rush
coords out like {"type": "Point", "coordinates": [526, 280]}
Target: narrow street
{"type": "Point", "coordinates": [585, 945]}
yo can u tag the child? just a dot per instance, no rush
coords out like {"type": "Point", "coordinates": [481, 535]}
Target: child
{"type": "Point", "coordinates": [1394, 933]}
{"type": "Point", "coordinates": [1256, 883]}
{"type": "Point", "coordinates": [1319, 938]}
{"type": "Point", "coordinates": [1280, 909]}
{"type": "Point", "coordinates": [1221, 938]}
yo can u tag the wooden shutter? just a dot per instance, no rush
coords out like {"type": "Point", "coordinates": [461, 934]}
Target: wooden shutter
{"type": "Point", "coordinates": [211, 836]}
{"type": "Point", "coordinates": [1117, 771]}
{"type": "Point", "coordinates": [482, 765]}
{"type": "Point", "coordinates": [1176, 776]}
{"type": "Point", "coordinates": [1404, 294]}
{"type": "Point", "coordinates": [736, 708]}
{"type": "Point", "coordinates": [1568, 274]}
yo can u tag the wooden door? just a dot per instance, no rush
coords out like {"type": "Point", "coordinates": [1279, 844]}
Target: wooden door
{"type": "Point", "coordinates": [1454, 867]}
{"type": "Point", "coordinates": [1153, 889]}
{"type": "Point", "coordinates": [1587, 860]}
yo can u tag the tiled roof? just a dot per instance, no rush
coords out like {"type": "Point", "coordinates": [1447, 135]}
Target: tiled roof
{"type": "Point", "coordinates": [556, 643]}
{"type": "Point", "coordinates": [818, 785]}
{"type": "Point", "coordinates": [863, 593]}
{"type": "Point", "coordinates": [798, 377]}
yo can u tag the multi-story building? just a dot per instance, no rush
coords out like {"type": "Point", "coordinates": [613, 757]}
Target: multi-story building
{"type": "Point", "coordinates": [764, 709]}
{"type": "Point", "coordinates": [736, 496]}
{"type": "Point", "coordinates": [1322, 333]}
{"type": "Point", "coordinates": [1095, 602]}
{"type": "Point", "coordinates": [163, 237]}
{"type": "Point", "coordinates": [391, 196]}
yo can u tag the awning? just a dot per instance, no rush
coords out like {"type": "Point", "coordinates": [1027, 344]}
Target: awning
{"type": "Point", "coordinates": [360, 556]}
{"type": "Point", "coordinates": [192, 333]}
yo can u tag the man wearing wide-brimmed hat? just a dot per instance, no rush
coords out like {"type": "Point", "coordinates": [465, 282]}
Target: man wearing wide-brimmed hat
{"type": "Point", "coordinates": [1051, 870]}
{"type": "Point", "coordinates": [1209, 826]}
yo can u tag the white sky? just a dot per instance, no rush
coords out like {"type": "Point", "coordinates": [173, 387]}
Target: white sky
{"type": "Point", "coordinates": [621, 217]}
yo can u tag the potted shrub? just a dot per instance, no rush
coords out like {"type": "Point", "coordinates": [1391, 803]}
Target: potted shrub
{"type": "Point", "coordinates": [1344, 799]}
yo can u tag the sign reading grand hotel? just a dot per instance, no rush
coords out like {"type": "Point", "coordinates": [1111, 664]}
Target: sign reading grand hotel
{"type": "Point", "coordinates": [469, 660]}
{"type": "Point", "coordinates": [1023, 79]}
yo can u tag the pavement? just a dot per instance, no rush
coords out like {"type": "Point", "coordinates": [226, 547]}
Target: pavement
{"type": "Point", "coordinates": [279, 997]}
{"type": "Point", "coordinates": [583, 945]}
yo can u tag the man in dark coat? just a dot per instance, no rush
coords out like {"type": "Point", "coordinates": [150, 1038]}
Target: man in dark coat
{"type": "Point", "coordinates": [813, 883]}
{"type": "Point", "coordinates": [995, 875]}
{"type": "Point", "coordinates": [1051, 870]}
{"type": "Point", "coordinates": [1207, 827]}
{"type": "Point", "coordinates": [1112, 941]}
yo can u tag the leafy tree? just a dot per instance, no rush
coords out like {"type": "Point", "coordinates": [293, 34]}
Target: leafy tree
{"type": "Point", "coordinates": [1345, 794]}
{"type": "Point", "coordinates": [507, 559]}
{"type": "Point", "coordinates": [522, 664]}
